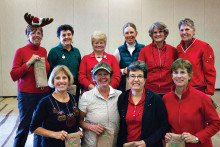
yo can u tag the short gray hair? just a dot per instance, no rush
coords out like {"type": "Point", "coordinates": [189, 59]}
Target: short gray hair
{"type": "Point", "coordinates": [58, 69]}
{"type": "Point", "coordinates": [138, 65]}
{"type": "Point", "coordinates": [160, 26]}
{"type": "Point", "coordinates": [188, 22]}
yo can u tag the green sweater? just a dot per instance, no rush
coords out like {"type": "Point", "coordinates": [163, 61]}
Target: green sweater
{"type": "Point", "coordinates": [60, 56]}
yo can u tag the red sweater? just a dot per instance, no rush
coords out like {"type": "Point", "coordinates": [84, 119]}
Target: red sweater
{"type": "Point", "coordinates": [194, 113]}
{"type": "Point", "coordinates": [201, 56]}
{"type": "Point", "coordinates": [158, 61]}
{"type": "Point", "coordinates": [24, 75]}
{"type": "Point", "coordinates": [87, 64]}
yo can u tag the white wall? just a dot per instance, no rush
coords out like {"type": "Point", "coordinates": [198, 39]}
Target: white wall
{"type": "Point", "coordinates": [109, 16]}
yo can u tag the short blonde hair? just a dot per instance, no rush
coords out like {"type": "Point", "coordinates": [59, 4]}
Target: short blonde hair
{"type": "Point", "coordinates": [98, 36]}
{"type": "Point", "coordinates": [58, 69]}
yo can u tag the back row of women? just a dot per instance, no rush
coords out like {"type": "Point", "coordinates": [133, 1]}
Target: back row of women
{"type": "Point", "coordinates": [143, 115]}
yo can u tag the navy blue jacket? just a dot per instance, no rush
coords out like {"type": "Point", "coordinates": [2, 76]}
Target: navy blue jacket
{"type": "Point", "coordinates": [127, 59]}
{"type": "Point", "coordinates": [154, 120]}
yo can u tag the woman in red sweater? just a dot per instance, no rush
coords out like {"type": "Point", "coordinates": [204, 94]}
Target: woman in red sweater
{"type": "Point", "coordinates": [201, 56]}
{"type": "Point", "coordinates": [88, 62]}
{"type": "Point", "coordinates": [158, 57]}
{"type": "Point", "coordinates": [23, 72]}
{"type": "Point", "coordinates": [190, 112]}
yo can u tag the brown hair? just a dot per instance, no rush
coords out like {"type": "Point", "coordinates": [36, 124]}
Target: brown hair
{"type": "Point", "coordinates": [129, 24]}
{"type": "Point", "coordinates": [30, 29]}
{"type": "Point", "coordinates": [180, 63]}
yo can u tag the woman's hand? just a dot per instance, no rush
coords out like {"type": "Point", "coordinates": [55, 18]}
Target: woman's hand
{"type": "Point", "coordinates": [91, 86]}
{"type": "Point", "coordinates": [98, 129]}
{"type": "Point", "coordinates": [62, 135]}
{"type": "Point", "coordinates": [125, 71]}
{"type": "Point", "coordinates": [189, 138]}
{"type": "Point", "coordinates": [140, 144]}
{"type": "Point", "coordinates": [80, 133]}
{"type": "Point", "coordinates": [167, 137]}
{"type": "Point", "coordinates": [32, 60]}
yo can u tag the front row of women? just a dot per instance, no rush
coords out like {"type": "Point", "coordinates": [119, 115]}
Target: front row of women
{"type": "Point", "coordinates": [141, 117]}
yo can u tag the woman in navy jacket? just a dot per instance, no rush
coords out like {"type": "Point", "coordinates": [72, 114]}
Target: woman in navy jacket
{"type": "Point", "coordinates": [143, 115]}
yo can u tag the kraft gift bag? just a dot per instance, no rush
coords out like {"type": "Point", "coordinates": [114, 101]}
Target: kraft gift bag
{"type": "Point", "coordinates": [72, 89]}
{"type": "Point", "coordinates": [106, 139]}
{"type": "Point", "coordinates": [129, 144]}
{"type": "Point", "coordinates": [40, 73]}
{"type": "Point", "coordinates": [73, 141]}
{"type": "Point", "coordinates": [176, 141]}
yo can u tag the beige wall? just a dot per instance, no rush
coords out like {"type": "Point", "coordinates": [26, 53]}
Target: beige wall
{"type": "Point", "coordinates": [109, 16]}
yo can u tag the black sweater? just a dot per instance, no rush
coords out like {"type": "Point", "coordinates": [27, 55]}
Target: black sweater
{"type": "Point", "coordinates": [154, 120]}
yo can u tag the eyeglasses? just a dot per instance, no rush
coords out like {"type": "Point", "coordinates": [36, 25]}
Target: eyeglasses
{"type": "Point", "coordinates": [160, 32]}
{"type": "Point", "coordinates": [139, 77]}
{"type": "Point", "coordinates": [36, 33]}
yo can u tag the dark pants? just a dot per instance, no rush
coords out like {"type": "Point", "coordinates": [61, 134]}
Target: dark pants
{"type": "Point", "coordinates": [27, 103]}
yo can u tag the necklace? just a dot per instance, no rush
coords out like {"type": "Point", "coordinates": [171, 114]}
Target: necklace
{"type": "Point", "coordinates": [70, 118]}
{"type": "Point", "coordinates": [160, 67]}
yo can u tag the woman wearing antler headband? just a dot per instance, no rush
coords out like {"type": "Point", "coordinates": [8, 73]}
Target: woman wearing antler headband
{"type": "Point", "coordinates": [23, 72]}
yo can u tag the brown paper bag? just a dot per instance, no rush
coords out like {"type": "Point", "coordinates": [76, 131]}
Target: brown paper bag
{"type": "Point", "coordinates": [176, 141]}
{"type": "Point", "coordinates": [73, 141]}
{"type": "Point", "coordinates": [72, 89]}
{"type": "Point", "coordinates": [106, 139]}
{"type": "Point", "coordinates": [129, 144]}
{"type": "Point", "coordinates": [127, 85]}
{"type": "Point", "coordinates": [40, 73]}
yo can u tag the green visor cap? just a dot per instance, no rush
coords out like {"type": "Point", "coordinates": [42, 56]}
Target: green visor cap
{"type": "Point", "coordinates": [102, 65]}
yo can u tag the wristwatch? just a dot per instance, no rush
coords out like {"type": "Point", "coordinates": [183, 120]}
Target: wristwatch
{"type": "Point", "coordinates": [197, 139]}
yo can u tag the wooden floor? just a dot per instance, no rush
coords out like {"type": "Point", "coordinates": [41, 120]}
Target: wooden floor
{"type": "Point", "coordinates": [9, 121]}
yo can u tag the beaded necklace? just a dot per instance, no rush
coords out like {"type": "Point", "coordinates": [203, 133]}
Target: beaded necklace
{"type": "Point", "coordinates": [160, 67]}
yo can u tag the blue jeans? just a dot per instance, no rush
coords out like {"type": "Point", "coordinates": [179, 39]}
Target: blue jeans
{"type": "Point", "coordinates": [27, 103]}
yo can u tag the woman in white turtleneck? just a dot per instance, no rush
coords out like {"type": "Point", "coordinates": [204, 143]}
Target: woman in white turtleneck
{"type": "Point", "coordinates": [128, 52]}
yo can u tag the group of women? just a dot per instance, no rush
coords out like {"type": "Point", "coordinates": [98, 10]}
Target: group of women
{"type": "Point", "coordinates": [162, 98]}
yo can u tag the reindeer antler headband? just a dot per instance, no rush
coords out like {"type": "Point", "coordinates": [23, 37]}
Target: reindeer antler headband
{"type": "Point", "coordinates": [35, 21]}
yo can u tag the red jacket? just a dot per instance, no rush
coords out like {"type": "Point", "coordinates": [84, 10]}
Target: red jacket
{"type": "Point", "coordinates": [159, 78]}
{"type": "Point", "coordinates": [194, 113]}
{"type": "Point", "coordinates": [87, 64]}
{"type": "Point", "coordinates": [201, 56]}
{"type": "Point", "coordinates": [22, 74]}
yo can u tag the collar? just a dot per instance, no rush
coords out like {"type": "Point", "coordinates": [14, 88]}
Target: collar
{"type": "Point", "coordinates": [186, 91]}
{"type": "Point", "coordinates": [140, 102]}
{"type": "Point", "coordinates": [112, 93]}
{"type": "Point", "coordinates": [131, 46]}
{"type": "Point", "coordinates": [190, 44]}
{"type": "Point", "coordinates": [33, 46]}
{"type": "Point", "coordinates": [135, 44]}
{"type": "Point", "coordinates": [92, 55]}
{"type": "Point", "coordinates": [163, 48]}
{"type": "Point", "coordinates": [61, 47]}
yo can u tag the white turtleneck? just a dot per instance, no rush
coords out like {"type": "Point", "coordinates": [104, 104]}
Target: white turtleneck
{"type": "Point", "coordinates": [131, 49]}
